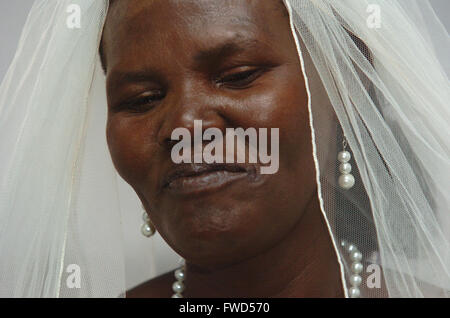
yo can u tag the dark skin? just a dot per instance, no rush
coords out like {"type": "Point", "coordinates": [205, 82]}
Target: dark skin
{"type": "Point", "coordinates": [229, 63]}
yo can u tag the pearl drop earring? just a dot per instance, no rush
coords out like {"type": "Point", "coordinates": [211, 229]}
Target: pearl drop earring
{"type": "Point", "coordinates": [346, 180]}
{"type": "Point", "coordinates": [147, 229]}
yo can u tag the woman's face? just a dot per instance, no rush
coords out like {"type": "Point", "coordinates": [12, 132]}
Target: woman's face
{"type": "Point", "coordinates": [231, 64]}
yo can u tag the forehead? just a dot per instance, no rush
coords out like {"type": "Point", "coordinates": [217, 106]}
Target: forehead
{"type": "Point", "coordinates": [136, 27]}
{"type": "Point", "coordinates": [193, 12]}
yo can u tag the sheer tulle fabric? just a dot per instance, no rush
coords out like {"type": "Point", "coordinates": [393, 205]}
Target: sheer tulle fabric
{"type": "Point", "coordinates": [385, 89]}
{"type": "Point", "coordinates": [58, 202]}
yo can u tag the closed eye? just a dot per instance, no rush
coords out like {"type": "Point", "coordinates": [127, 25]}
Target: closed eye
{"type": "Point", "coordinates": [239, 79]}
{"type": "Point", "coordinates": [142, 103]}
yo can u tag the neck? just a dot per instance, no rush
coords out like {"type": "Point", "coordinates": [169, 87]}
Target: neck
{"type": "Point", "coordinates": [303, 264]}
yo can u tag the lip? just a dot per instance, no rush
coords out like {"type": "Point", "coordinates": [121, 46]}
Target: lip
{"type": "Point", "coordinates": [202, 178]}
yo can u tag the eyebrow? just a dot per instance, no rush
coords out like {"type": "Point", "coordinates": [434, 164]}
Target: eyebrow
{"type": "Point", "coordinates": [214, 55]}
{"type": "Point", "coordinates": [117, 78]}
{"type": "Point", "coordinates": [221, 51]}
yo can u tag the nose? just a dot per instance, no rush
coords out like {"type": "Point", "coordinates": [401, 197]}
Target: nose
{"type": "Point", "coordinates": [190, 104]}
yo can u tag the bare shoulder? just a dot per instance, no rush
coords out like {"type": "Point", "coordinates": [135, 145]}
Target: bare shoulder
{"type": "Point", "coordinates": [158, 287]}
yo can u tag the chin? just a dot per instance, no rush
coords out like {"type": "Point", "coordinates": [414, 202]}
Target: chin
{"type": "Point", "coordinates": [215, 235]}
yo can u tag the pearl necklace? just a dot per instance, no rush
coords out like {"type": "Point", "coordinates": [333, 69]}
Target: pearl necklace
{"type": "Point", "coordinates": [357, 267]}
{"type": "Point", "coordinates": [178, 286]}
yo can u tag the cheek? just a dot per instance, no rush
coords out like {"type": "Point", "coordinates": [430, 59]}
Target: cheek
{"type": "Point", "coordinates": [281, 102]}
{"type": "Point", "coordinates": [292, 115]}
{"type": "Point", "coordinates": [130, 148]}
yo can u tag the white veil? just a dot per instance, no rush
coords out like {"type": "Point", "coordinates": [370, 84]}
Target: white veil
{"type": "Point", "coordinates": [384, 86]}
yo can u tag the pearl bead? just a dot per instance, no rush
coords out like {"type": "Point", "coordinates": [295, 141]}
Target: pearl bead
{"type": "Point", "coordinates": [177, 296]}
{"type": "Point", "coordinates": [345, 168]}
{"type": "Point", "coordinates": [357, 268]}
{"type": "Point", "coordinates": [344, 243]}
{"type": "Point", "coordinates": [356, 256]}
{"type": "Point", "coordinates": [344, 156]}
{"type": "Point", "coordinates": [146, 230]}
{"type": "Point", "coordinates": [145, 217]}
{"type": "Point", "coordinates": [352, 248]}
{"type": "Point", "coordinates": [346, 181]}
{"type": "Point", "coordinates": [355, 280]}
{"type": "Point", "coordinates": [178, 287]}
{"type": "Point", "coordinates": [179, 274]}
{"type": "Point", "coordinates": [354, 292]}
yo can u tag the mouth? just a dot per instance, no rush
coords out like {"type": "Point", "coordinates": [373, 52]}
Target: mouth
{"type": "Point", "coordinates": [202, 178]}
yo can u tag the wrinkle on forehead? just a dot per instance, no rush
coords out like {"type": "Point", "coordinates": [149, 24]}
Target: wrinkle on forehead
{"type": "Point", "coordinates": [195, 13]}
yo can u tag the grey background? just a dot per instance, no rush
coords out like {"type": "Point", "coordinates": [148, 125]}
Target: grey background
{"type": "Point", "coordinates": [13, 14]}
